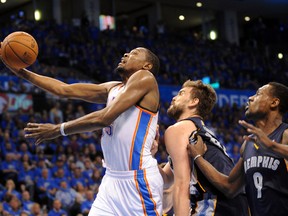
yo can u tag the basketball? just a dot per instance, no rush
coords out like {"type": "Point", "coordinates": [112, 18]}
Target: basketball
{"type": "Point", "coordinates": [19, 50]}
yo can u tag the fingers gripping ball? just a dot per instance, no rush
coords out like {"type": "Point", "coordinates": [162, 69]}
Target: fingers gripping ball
{"type": "Point", "coordinates": [19, 50]}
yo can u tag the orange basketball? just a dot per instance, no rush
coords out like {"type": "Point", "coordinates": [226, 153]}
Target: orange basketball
{"type": "Point", "coordinates": [19, 50]}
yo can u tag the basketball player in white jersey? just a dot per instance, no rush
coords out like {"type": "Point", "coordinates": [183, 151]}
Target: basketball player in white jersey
{"type": "Point", "coordinates": [132, 184]}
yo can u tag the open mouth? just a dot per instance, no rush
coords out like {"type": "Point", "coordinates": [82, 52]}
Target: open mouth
{"type": "Point", "coordinates": [246, 107]}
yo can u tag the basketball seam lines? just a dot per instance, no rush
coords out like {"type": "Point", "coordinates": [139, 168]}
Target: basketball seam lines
{"type": "Point", "coordinates": [16, 53]}
{"type": "Point", "coordinates": [23, 45]}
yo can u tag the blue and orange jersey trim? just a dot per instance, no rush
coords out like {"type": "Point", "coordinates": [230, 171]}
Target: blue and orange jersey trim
{"type": "Point", "coordinates": [148, 203]}
{"type": "Point", "coordinates": [139, 139]}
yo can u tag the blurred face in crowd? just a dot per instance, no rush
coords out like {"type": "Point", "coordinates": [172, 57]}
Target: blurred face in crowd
{"type": "Point", "coordinates": [36, 209]}
{"type": "Point", "coordinates": [45, 173]}
{"type": "Point", "coordinates": [26, 195]}
{"type": "Point", "coordinates": [15, 203]}
{"type": "Point", "coordinates": [60, 173]}
{"type": "Point", "coordinates": [10, 184]}
{"type": "Point", "coordinates": [63, 184]}
{"type": "Point", "coordinates": [57, 205]}
{"type": "Point", "coordinates": [89, 195]}
{"type": "Point", "coordinates": [77, 172]}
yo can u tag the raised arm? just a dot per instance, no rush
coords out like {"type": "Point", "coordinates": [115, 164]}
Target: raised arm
{"type": "Point", "coordinates": [96, 93]}
{"type": "Point", "coordinates": [87, 92]}
{"type": "Point", "coordinates": [229, 185]}
{"type": "Point", "coordinates": [138, 86]}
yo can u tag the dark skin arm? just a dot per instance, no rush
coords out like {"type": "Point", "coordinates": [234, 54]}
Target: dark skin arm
{"type": "Point", "coordinates": [138, 86]}
{"type": "Point", "coordinates": [228, 185]}
{"type": "Point", "coordinates": [94, 93]}
{"type": "Point", "coordinates": [263, 140]}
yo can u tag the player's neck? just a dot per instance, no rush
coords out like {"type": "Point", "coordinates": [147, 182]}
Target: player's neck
{"type": "Point", "coordinates": [269, 124]}
{"type": "Point", "coordinates": [188, 115]}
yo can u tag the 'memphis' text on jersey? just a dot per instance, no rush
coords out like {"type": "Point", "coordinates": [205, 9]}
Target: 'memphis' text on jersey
{"type": "Point", "coordinates": [261, 162]}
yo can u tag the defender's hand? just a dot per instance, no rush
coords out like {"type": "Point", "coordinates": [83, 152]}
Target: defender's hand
{"type": "Point", "coordinates": [260, 137]}
{"type": "Point", "coordinates": [198, 148]}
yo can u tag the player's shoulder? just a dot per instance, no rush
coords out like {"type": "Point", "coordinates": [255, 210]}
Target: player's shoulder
{"type": "Point", "coordinates": [143, 79]}
{"type": "Point", "coordinates": [181, 126]}
{"type": "Point", "coordinates": [143, 74]}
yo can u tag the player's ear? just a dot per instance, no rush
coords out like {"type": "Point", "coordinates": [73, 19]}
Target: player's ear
{"type": "Point", "coordinates": [147, 66]}
{"type": "Point", "coordinates": [194, 101]}
{"type": "Point", "coordinates": [275, 102]}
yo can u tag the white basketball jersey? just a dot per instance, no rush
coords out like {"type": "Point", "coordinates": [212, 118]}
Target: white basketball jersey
{"type": "Point", "coordinates": [127, 142]}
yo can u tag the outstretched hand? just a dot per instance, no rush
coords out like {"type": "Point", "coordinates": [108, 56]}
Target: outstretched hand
{"type": "Point", "coordinates": [42, 132]}
{"type": "Point", "coordinates": [260, 137]}
{"type": "Point", "coordinates": [198, 148]}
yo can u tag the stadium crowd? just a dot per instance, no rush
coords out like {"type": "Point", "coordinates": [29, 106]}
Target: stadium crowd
{"type": "Point", "coordinates": [61, 177]}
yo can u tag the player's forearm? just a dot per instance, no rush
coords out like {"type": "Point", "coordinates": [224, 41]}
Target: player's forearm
{"type": "Point", "coordinates": [46, 83]}
{"type": "Point", "coordinates": [167, 178]}
{"type": "Point", "coordinates": [223, 183]}
{"type": "Point", "coordinates": [181, 201]}
{"type": "Point", "coordinates": [87, 123]}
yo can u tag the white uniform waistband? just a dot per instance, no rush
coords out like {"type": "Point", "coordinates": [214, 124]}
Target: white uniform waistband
{"type": "Point", "coordinates": [130, 174]}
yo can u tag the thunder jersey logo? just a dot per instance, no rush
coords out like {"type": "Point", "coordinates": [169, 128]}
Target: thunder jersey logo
{"type": "Point", "coordinates": [261, 162]}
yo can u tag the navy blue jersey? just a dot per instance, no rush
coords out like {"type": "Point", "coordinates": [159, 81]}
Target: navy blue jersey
{"type": "Point", "coordinates": [205, 198]}
{"type": "Point", "coordinates": [266, 178]}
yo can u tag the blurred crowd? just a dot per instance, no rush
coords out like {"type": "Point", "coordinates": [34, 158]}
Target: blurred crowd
{"type": "Point", "coordinates": [183, 54]}
{"type": "Point", "coordinates": [62, 176]}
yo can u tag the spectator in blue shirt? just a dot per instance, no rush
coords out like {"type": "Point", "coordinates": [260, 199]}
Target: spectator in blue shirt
{"type": "Point", "coordinates": [95, 180]}
{"type": "Point", "coordinates": [86, 205]}
{"type": "Point", "coordinates": [57, 210]}
{"type": "Point", "coordinates": [27, 203]}
{"type": "Point", "coordinates": [60, 164]}
{"type": "Point", "coordinates": [37, 211]}
{"type": "Point", "coordinates": [66, 195]}
{"type": "Point", "coordinates": [41, 164]}
{"type": "Point", "coordinates": [61, 176]}
{"type": "Point", "coordinates": [10, 189]}
{"type": "Point", "coordinates": [13, 207]}
{"type": "Point", "coordinates": [88, 171]}
{"type": "Point", "coordinates": [77, 177]}
{"type": "Point", "coordinates": [45, 187]}
{"type": "Point", "coordinates": [26, 177]}
{"type": "Point", "coordinates": [23, 149]}
{"type": "Point", "coordinates": [9, 167]}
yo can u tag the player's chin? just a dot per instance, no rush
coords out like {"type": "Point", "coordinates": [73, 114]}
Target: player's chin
{"type": "Point", "coordinates": [120, 69]}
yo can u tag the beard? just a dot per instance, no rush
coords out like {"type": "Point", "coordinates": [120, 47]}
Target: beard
{"type": "Point", "coordinates": [174, 112]}
{"type": "Point", "coordinates": [120, 71]}
{"type": "Point", "coordinates": [255, 116]}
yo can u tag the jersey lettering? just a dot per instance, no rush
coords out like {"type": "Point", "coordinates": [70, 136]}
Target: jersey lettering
{"type": "Point", "coordinates": [108, 130]}
{"type": "Point", "coordinates": [258, 182]}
